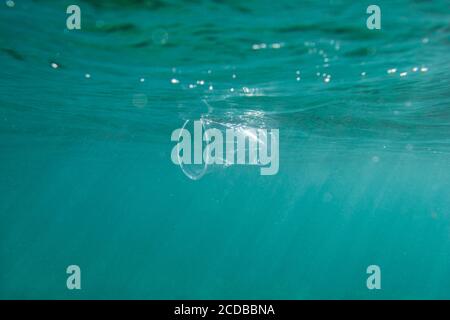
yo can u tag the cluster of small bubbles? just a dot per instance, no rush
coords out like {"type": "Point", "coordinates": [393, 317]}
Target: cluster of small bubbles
{"type": "Point", "coordinates": [139, 100]}
{"type": "Point", "coordinates": [160, 36]}
{"type": "Point", "coordinates": [393, 70]}
{"type": "Point", "coordinates": [324, 76]}
{"type": "Point", "coordinates": [249, 92]}
{"type": "Point", "coordinates": [337, 46]}
{"type": "Point", "coordinates": [255, 113]}
{"type": "Point", "coordinates": [276, 45]}
{"type": "Point", "coordinates": [10, 3]}
{"type": "Point", "coordinates": [259, 46]}
{"type": "Point", "coordinates": [405, 73]}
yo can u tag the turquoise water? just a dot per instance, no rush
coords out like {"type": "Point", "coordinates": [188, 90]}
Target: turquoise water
{"type": "Point", "coordinates": [87, 179]}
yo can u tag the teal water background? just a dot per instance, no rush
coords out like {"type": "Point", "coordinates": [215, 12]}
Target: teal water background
{"type": "Point", "coordinates": [86, 176]}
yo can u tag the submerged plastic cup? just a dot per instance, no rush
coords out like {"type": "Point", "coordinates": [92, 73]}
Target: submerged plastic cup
{"type": "Point", "coordinates": [219, 143]}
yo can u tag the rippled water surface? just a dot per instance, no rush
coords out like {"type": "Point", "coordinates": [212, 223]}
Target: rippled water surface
{"type": "Point", "coordinates": [86, 118]}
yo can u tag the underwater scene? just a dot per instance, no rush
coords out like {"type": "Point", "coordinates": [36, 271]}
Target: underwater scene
{"type": "Point", "coordinates": [206, 149]}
